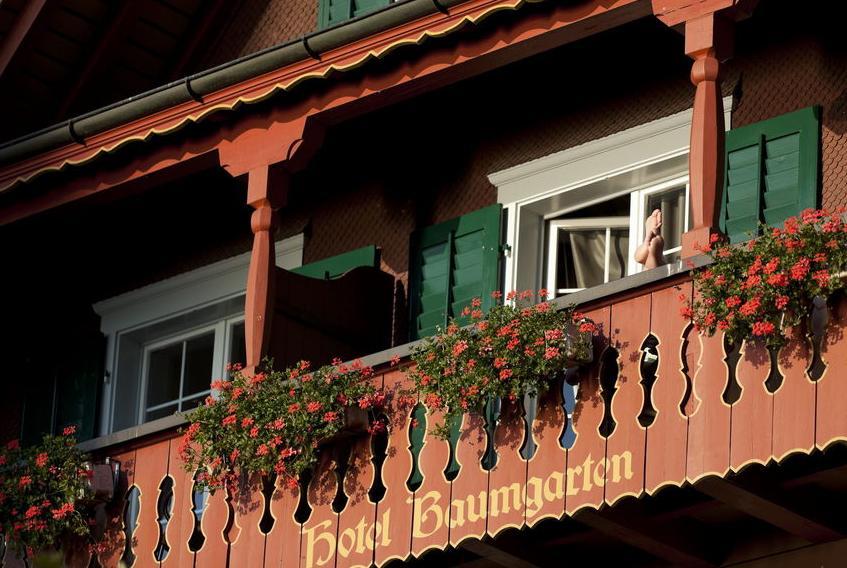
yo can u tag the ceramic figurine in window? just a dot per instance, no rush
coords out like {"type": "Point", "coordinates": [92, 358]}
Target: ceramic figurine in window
{"type": "Point", "coordinates": [649, 253]}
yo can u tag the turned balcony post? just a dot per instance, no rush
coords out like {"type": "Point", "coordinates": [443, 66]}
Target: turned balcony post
{"type": "Point", "coordinates": [708, 40]}
{"type": "Point", "coordinates": [266, 192]}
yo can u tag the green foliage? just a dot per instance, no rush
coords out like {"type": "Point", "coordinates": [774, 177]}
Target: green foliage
{"type": "Point", "coordinates": [40, 488]}
{"type": "Point", "coordinates": [273, 421]}
{"type": "Point", "coordinates": [515, 350]}
{"type": "Point", "coordinates": [757, 289]}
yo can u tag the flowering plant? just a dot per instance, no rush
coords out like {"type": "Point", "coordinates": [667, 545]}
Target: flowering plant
{"type": "Point", "coordinates": [40, 487]}
{"type": "Point", "coordinates": [272, 422]}
{"type": "Point", "coordinates": [752, 290]}
{"type": "Point", "coordinates": [513, 351]}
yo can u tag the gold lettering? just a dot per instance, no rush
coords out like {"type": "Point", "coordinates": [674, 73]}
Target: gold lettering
{"type": "Point", "coordinates": [502, 494]}
{"type": "Point", "coordinates": [600, 473]}
{"type": "Point", "coordinates": [557, 491]}
{"type": "Point", "coordinates": [534, 496]}
{"type": "Point", "coordinates": [380, 530]}
{"type": "Point", "coordinates": [432, 516]}
{"type": "Point", "coordinates": [586, 472]}
{"type": "Point", "coordinates": [312, 540]}
{"type": "Point", "coordinates": [572, 473]}
{"type": "Point", "coordinates": [476, 515]}
{"type": "Point", "coordinates": [345, 547]}
{"type": "Point", "coordinates": [360, 537]}
{"type": "Point", "coordinates": [457, 512]}
{"type": "Point", "coordinates": [616, 466]}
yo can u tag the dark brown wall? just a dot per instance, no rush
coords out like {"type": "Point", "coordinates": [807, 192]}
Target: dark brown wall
{"type": "Point", "coordinates": [257, 24]}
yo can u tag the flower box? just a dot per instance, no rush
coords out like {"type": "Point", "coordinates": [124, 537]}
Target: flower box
{"type": "Point", "coordinates": [355, 422]}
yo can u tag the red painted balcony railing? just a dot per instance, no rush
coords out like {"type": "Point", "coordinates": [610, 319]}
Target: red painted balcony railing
{"type": "Point", "coordinates": [706, 412]}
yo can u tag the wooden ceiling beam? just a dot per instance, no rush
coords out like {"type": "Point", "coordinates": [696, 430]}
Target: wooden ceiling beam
{"type": "Point", "coordinates": [767, 507]}
{"type": "Point", "coordinates": [657, 541]}
{"type": "Point", "coordinates": [211, 15]}
{"type": "Point", "coordinates": [19, 32]}
{"type": "Point", "coordinates": [105, 50]}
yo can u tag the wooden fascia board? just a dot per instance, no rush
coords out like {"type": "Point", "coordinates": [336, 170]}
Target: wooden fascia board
{"type": "Point", "coordinates": [536, 32]}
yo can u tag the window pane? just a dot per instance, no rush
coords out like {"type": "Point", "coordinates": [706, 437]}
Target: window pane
{"type": "Point", "coordinates": [672, 205]}
{"type": "Point", "coordinates": [199, 353]}
{"type": "Point", "coordinates": [193, 402]}
{"type": "Point", "coordinates": [237, 345]}
{"type": "Point", "coordinates": [163, 374]}
{"type": "Point", "coordinates": [618, 249]}
{"type": "Point", "coordinates": [581, 258]}
{"type": "Point", "coordinates": [160, 413]}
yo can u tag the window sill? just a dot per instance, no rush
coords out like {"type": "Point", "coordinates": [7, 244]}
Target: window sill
{"type": "Point", "coordinates": [581, 298]}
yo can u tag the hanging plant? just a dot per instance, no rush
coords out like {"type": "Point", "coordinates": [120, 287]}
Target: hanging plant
{"type": "Point", "coordinates": [757, 289]}
{"type": "Point", "coordinates": [517, 349]}
{"type": "Point", "coordinates": [274, 422]}
{"type": "Point", "coordinates": [43, 490]}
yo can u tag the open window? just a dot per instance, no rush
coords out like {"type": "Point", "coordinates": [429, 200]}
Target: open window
{"type": "Point", "coordinates": [576, 218]}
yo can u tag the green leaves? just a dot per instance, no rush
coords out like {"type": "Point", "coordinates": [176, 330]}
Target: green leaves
{"type": "Point", "coordinates": [515, 350]}
{"type": "Point", "coordinates": [273, 421]}
{"type": "Point", "coordinates": [758, 289]}
{"type": "Point", "coordinates": [40, 490]}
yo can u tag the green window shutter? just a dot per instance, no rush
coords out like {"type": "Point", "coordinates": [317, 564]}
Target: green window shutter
{"type": "Point", "coordinates": [336, 266]}
{"type": "Point", "coordinates": [77, 385]}
{"type": "Point", "coordinates": [331, 12]}
{"type": "Point", "coordinates": [452, 263]}
{"type": "Point", "coordinates": [771, 172]}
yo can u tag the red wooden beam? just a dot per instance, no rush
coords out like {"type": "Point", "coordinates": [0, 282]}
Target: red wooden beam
{"type": "Point", "coordinates": [19, 31]}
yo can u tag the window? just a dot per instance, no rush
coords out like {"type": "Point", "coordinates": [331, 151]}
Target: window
{"type": "Point", "coordinates": [177, 372]}
{"type": "Point", "coordinates": [576, 218]}
{"type": "Point", "coordinates": [166, 342]}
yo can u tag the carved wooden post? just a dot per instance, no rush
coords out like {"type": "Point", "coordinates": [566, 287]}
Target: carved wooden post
{"type": "Point", "coordinates": [708, 39]}
{"type": "Point", "coordinates": [266, 192]}
{"type": "Point", "coordinates": [709, 26]}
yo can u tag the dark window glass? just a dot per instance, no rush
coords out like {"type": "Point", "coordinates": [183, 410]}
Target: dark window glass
{"type": "Point", "coordinates": [199, 353]}
{"type": "Point", "coordinates": [163, 374]}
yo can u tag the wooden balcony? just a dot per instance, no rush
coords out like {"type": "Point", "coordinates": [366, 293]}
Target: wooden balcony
{"type": "Point", "coordinates": [689, 422]}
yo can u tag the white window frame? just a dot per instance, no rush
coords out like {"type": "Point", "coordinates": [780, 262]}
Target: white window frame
{"type": "Point", "coordinates": [585, 223]}
{"type": "Point", "coordinates": [177, 297]}
{"type": "Point", "coordinates": [646, 156]}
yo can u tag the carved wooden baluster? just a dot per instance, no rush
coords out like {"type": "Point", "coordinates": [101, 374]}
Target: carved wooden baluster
{"type": "Point", "coordinates": [247, 540]}
{"type": "Point", "coordinates": [181, 525]}
{"type": "Point", "coordinates": [213, 525]}
{"type": "Point", "coordinates": [832, 389]}
{"type": "Point", "coordinates": [793, 401]}
{"type": "Point", "coordinates": [507, 480]}
{"type": "Point", "coordinates": [470, 487]}
{"type": "Point", "coordinates": [282, 548]}
{"type": "Point", "coordinates": [357, 523]}
{"type": "Point", "coordinates": [396, 504]}
{"type": "Point", "coordinates": [151, 467]}
{"type": "Point", "coordinates": [666, 436]}
{"type": "Point", "coordinates": [752, 414]}
{"type": "Point", "coordinates": [545, 486]}
{"type": "Point", "coordinates": [317, 541]}
{"type": "Point", "coordinates": [589, 446]}
{"type": "Point", "coordinates": [709, 423]}
{"type": "Point", "coordinates": [430, 525]}
{"type": "Point", "coordinates": [113, 539]}
{"type": "Point", "coordinates": [623, 467]}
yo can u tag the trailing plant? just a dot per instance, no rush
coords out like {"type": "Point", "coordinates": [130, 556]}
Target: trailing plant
{"type": "Point", "coordinates": [757, 289]}
{"type": "Point", "coordinates": [273, 422]}
{"type": "Point", "coordinates": [41, 489]}
{"type": "Point", "coordinates": [513, 350]}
